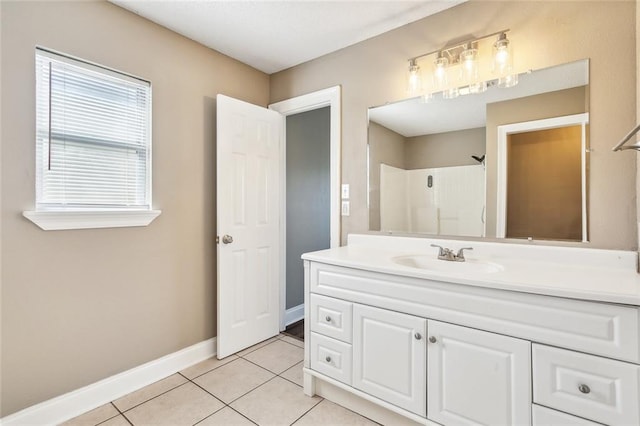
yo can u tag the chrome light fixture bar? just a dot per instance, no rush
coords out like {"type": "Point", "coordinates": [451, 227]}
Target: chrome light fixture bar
{"type": "Point", "coordinates": [456, 68]}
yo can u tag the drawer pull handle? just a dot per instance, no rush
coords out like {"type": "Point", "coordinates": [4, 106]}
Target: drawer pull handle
{"type": "Point", "coordinates": [584, 389]}
{"type": "Point", "coordinates": [328, 359]}
{"type": "Point", "coordinates": [433, 339]}
{"type": "Point", "coordinates": [417, 336]}
{"type": "Point", "coordinates": [327, 318]}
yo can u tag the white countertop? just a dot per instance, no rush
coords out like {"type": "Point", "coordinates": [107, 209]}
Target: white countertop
{"type": "Point", "coordinates": [576, 273]}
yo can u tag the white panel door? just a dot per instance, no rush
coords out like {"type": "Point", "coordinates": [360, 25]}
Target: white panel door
{"type": "Point", "coordinates": [389, 353]}
{"type": "Point", "coordinates": [248, 201]}
{"type": "Point", "coordinates": [477, 378]}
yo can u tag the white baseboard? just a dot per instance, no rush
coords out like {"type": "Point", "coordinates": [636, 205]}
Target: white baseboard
{"type": "Point", "coordinates": [72, 404]}
{"type": "Point", "coordinates": [294, 314]}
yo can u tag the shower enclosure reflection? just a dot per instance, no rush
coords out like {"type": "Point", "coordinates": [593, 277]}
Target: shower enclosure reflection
{"type": "Point", "coordinates": [433, 200]}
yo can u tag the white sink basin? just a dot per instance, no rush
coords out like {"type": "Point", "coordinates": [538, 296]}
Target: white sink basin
{"type": "Point", "coordinates": [429, 263]}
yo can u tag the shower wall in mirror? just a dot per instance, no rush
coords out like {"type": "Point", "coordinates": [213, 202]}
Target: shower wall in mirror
{"type": "Point", "coordinates": [433, 166]}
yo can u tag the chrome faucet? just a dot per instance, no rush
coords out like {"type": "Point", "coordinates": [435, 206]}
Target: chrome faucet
{"type": "Point", "coordinates": [449, 255]}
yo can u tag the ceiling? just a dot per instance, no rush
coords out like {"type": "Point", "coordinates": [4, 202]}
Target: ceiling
{"type": "Point", "coordinates": [414, 118]}
{"type": "Point", "coordinates": [273, 35]}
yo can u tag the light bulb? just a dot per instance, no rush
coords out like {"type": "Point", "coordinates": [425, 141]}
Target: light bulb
{"type": "Point", "coordinates": [414, 82]}
{"type": "Point", "coordinates": [503, 62]}
{"type": "Point", "coordinates": [440, 80]}
{"type": "Point", "coordinates": [469, 69]}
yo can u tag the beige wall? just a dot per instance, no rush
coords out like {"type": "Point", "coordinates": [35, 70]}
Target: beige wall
{"type": "Point", "coordinates": [79, 306]}
{"type": "Point", "coordinates": [385, 147]}
{"type": "Point", "coordinates": [445, 149]}
{"type": "Point", "coordinates": [537, 107]}
{"type": "Point", "coordinates": [543, 34]}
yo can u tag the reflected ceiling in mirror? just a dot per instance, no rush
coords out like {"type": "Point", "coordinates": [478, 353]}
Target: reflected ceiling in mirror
{"type": "Point", "coordinates": [433, 165]}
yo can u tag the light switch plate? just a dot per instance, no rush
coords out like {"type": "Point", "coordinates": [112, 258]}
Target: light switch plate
{"type": "Point", "coordinates": [345, 208]}
{"type": "Point", "coordinates": [345, 191]}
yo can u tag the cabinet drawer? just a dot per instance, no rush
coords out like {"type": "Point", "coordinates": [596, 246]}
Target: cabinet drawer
{"type": "Point", "coordinates": [332, 317]}
{"type": "Point", "coordinates": [331, 357]}
{"type": "Point", "coordinates": [596, 388]}
{"type": "Point", "coordinates": [543, 416]}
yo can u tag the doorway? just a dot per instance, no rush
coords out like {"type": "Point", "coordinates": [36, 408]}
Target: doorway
{"type": "Point", "coordinates": [542, 186]}
{"type": "Point", "coordinates": [307, 197]}
{"type": "Point", "coordinates": [310, 188]}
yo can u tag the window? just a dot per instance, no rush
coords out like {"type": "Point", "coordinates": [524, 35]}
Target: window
{"type": "Point", "coordinates": [93, 145]}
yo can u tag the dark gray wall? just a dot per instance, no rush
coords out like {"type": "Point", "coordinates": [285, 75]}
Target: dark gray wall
{"type": "Point", "coordinates": [307, 194]}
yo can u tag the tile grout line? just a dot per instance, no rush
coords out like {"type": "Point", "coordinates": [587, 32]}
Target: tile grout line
{"type": "Point", "coordinates": [122, 414]}
{"type": "Point", "coordinates": [218, 399]}
{"type": "Point", "coordinates": [127, 419]}
{"type": "Point", "coordinates": [106, 420]}
{"type": "Point", "coordinates": [251, 390]}
{"type": "Point", "coordinates": [208, 371]}
{"type": "Point", "coordinates": [225, 404]}
{"type": "Point", "coordinates": [216, 411]}
{"type": "Point", "coordinates": [260, 347]}
{"type": "Point", "coordinates": [266, 369]}
{"type": "Point", "coordinates": [152, 398]}
{"type": "Point", "coordinates": [290, 381]}
{"type": "Point", "coordinates": [236, 411]}
{"type": "Point", "coordinates": [307, 412]}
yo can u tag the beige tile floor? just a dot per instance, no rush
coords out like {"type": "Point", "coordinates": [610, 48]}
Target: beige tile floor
{"type": "Point", "coordinates": [261, 385]}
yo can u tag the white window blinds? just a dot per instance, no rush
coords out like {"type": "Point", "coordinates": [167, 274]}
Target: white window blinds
{"type": "Point", "coordinates": [93, 145]}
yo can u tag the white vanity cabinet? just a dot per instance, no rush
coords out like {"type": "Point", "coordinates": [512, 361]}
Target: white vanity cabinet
{"type": "Point", "coordinates": [443, 353]}
{"type": "Point", "coordinates": [475, 377]}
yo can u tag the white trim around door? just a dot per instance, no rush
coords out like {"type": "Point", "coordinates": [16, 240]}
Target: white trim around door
{"type": "Point", "coordinates": [327, 97]}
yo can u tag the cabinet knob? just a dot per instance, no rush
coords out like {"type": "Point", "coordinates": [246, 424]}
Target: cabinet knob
{"type": "Point", "coordinates": [433, 339]}
{"type": "Point", "coordinates": [584, 389]}
{"type": "Point", "coordinates": [327, 318]}
{"type": "Point", "coordinates": [328, 359]}
{"type": "Point", "coordinates": [418, 336]}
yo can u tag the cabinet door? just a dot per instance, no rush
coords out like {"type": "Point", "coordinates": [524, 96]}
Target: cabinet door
{"type": "Point", "coordinates": [475, 377]}
{"type": "Point", "coordinates": [389, 357]}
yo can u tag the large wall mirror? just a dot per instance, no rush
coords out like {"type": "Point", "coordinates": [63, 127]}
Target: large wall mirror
{"type": "Point", "coordinates": [506, 163]}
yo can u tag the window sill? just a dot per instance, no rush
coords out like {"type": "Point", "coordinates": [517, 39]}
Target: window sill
{"type": "Point", "coordinates": [59, 220]}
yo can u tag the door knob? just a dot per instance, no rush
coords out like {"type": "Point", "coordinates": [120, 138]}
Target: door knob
{"type": "Point", "coordinates": [433, 339]}
{"type": "Point", "coordinates": [227, 239]}
{"type": "Point", "coordinates": [417, 336]}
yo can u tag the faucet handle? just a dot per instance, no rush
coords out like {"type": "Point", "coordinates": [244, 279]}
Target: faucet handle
{"type": "Point", "coordinates": [460, 254]}
{"type": "Point", "coordinates": [442, 250]}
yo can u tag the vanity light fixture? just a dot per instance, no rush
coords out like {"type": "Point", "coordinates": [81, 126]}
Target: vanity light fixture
{"type": "Point", "coordinates": [456, 69]}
